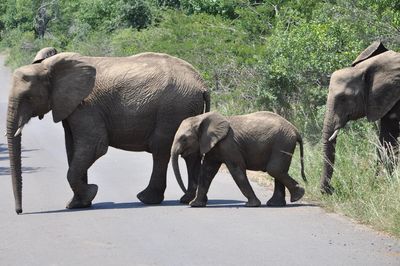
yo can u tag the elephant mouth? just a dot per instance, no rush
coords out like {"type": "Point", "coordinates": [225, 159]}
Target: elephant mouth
{"type": "Point", "coordinates": [185, 153]}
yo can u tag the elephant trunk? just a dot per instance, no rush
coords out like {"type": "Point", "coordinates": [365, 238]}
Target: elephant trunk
{"type": "Point", "coordinates": [174, 158]}
{"type": "Point", "coordinates": [328, 143]}
{"type": "Point", "coordinates": [14, 149]}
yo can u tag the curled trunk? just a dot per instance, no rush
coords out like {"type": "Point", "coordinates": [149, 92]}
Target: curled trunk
{"type": "Point", "coordinates": [175, 166]}
{"type": "Point", "coordinates": [14, 149]}
{"type": "Point", "coordinates": [328, 152]}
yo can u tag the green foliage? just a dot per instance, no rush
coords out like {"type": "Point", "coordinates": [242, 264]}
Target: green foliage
{"type": "Point", "coordinates": [254, 55]}
{"type": "Point", "coordinates": [225, 8]}
{"type": "Point", "coordinates": [110, 15]}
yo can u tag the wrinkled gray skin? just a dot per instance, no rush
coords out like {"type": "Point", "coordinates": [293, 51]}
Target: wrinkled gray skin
{"type": "Point", "coordinates": [370, 88]}
{"type": "Point", "coordinates": [261, 141]}
{"type": "Point", "coordinates": [132, 103]}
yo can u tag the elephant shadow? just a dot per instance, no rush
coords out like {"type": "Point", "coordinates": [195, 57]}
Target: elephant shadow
{"type": "Point", "coordinates": [4, 156]}
{"type": "Point", "coordinates": [241, 204]}
{"type": "Point", "coordinates": [216, 203]}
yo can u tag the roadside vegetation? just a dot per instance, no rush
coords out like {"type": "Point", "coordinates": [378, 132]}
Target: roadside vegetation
{"type": "Point", "coordinates": [254, 55]}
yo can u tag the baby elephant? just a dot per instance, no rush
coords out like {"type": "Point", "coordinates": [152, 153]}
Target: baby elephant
{"type": "Point", "coordinates": [261, 141]}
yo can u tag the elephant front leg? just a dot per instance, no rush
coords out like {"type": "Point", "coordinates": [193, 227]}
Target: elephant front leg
{"type": "Point", "coordinates": [77, 175]}
{"type": "Point", "coordinates": [278, 198]}
{"type": "Point", "coordinates": [388, 134]}
{"type": "Point", "coordinates": [193, 164]}
{"type": "Point", "coordinates": [84, 193]}
{"type": "Point", "coordinates": [207, 173]}
{"type": "Point", "coordinates": [154, 192]}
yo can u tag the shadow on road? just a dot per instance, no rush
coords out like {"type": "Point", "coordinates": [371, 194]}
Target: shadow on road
{"type": "Point", "coordinates": [242, 205]}
{"type": "Point", "coordinates": [4, 156]}
{"type": "Point", "coordinates": [25, 170]}
{"type": "Point", "coordinates": [110, 205]}
{"type": "Point", "coordinates": [219, 203]}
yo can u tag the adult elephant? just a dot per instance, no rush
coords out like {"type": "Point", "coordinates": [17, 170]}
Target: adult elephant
{"type": "Point", "coordinates": [132, 103]}
{"type": "Point", "coordinates": [370, 88]}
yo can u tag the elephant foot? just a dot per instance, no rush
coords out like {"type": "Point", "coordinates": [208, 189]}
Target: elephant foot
{"type": "Point", "coordinates": [276, 202]}
{"type": "Point", "coordinates": [187, 198]}
{"type": "Point", "coordinates": [198, 203]}
{"type": "Point", "coordinates": [297, 194]}
{"type": "Point", "coordinates": [148, 196]}
{"type": "Point", "coordinates": [83, 200]}
{"type": "Point", "coordinates": [253, 203]}
{"type": "Point", "coordinates": [327, 189]}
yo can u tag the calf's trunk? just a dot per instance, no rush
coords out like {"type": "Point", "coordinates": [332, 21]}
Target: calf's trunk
{"type": "Point", "coordinates": [175, 166]}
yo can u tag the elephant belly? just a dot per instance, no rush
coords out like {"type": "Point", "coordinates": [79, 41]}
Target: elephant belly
{"type": "Point", "coordinates": [129, 140]}
{"type": "Point", "coordinates": [257, 161]}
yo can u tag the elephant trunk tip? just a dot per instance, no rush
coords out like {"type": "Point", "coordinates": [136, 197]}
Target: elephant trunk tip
{"type": "Point", "coordinates": [18, 210]}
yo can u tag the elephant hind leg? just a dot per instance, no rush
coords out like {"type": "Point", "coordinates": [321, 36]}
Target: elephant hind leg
{"type": "Point", "coordinates": [296, 191]}
{"type": "Point", "coordinates": [278, 168]}
{"type": "Point", "coordinates": [278, 198]}
{"type": "Point", "coordinates": [154, 192]}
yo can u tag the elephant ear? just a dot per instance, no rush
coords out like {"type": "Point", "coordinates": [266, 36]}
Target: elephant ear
{"type": "Point", "coordinates": [383, 85]}
{"type": "Point", "coordinates": [213, 128]}
{"type": "Point", "coordinates": [71, 81]}
{"type": "Point", "coordinates": [374, 49]}
{"type": "Point", "coordinates": [43, 54]}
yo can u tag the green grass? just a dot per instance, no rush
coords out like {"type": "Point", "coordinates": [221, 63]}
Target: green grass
{"type": "Point", "coordinates": [369, 198]}
{"type": "Point", "coordinates": [359, 193]}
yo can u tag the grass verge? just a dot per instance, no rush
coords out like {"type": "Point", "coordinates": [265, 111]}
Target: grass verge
{"type": "Point", "coordinates": [370, 198]}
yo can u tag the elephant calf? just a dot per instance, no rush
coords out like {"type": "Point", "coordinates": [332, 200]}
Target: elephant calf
{"type": "Point", "coordinates": [261, 141]}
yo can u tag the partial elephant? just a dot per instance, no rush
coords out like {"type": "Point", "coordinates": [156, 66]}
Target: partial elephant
{"type": "Point", "coordinates": [132, 103]}
{"type": "Point", "coordinates": [370, 88]}
{"type": "Point", "coordinates": [261, 141]}
{"type": "Point", "coordinates": [43, 54]}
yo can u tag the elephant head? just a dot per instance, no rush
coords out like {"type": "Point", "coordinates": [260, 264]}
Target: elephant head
{"type": "Point", "coordinates": [370, 88]}
{"type": "Point", "coordinates": [58, 83]}
{"type": "Point", "coordinates": [197, 134]}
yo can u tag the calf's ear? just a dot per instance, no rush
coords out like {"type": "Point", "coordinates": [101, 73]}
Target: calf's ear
{"type": "Point", "coordinates": [213, 128]}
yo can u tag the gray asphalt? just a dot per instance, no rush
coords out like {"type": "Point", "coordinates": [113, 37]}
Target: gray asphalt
{"type": "Point", "coordinates": [119, 230]}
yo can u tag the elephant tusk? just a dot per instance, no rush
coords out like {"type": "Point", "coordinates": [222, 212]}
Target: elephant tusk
{"type": "Point", "coordinates": [5, 134]}
{"type": "Point", "coordinates": [19, 130]}
{"type": "Point", "coordinates": [334, 135]}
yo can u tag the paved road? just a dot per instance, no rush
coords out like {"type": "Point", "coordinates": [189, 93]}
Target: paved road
{"type": "Point", "coordinates": [119, 230]}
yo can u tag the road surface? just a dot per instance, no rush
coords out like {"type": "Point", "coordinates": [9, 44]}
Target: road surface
{"type": "Point", "coordinates": [119, 230]}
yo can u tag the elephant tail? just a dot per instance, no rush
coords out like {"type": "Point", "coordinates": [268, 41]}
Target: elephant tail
{"type": "Point", "coordinates": [300, 141]}
{"type": "Point", "coordinates": [206, 97]}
